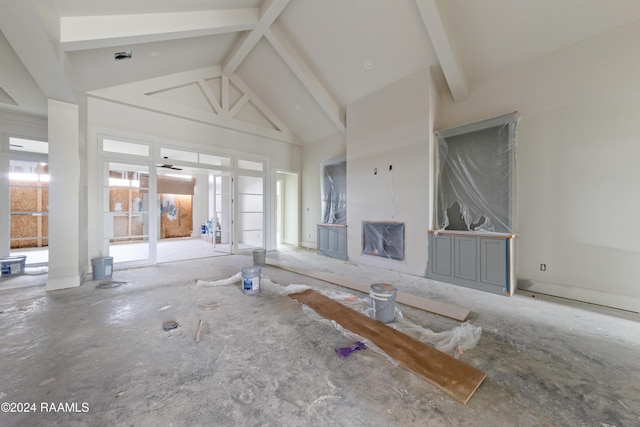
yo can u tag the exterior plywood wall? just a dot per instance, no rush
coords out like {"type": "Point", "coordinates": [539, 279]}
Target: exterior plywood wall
{"type": "Point", "coordinates": [178, 220]}
{"type": "Point", "coordinates": [131, 222]}
{"type": "Point", "coordinates": [29, 201]}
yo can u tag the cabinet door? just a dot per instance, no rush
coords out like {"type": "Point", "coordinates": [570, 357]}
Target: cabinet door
{"type": "Point", "coordinates": [465, 258]}
{"type": "Point", "coordinates": [338, 242]}
{"type": "Point", "coordinates": [493, 259]}
{"type": "Point", "coordinates": [441, 255]}
{"type": "Point", "coordinates": [341, 243]}
{"type": "Point", "coordinates": [332, 241]}
{"type": "Point", "coordinates": [323, 239]}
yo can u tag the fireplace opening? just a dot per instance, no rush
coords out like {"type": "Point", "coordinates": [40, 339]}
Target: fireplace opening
{"type": "Point", "coordinates": [383, 239]}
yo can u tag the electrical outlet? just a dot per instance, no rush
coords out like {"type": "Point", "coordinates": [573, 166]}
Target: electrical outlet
{"type": "Point", "coordinates": [543, 267]}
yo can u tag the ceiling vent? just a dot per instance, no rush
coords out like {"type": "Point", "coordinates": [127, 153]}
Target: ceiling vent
{"type": "Point", "coordinates": [119, 56]}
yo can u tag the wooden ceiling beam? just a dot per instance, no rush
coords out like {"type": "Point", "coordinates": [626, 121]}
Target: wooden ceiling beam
{"type": "Point", "coordinates": [445, 50]}
{"type": "Point", "coordinates": [294, 61]}
{"type": "Point", "coordinates": [89, 32]}
{"type": "Point", "coordinates": [269, 12]}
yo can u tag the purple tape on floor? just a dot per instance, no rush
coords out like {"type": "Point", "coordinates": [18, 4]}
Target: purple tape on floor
{"type": "Point", "coordinates": [345, 351]}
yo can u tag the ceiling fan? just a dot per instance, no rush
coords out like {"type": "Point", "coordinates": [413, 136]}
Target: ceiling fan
{"type": "Point", "coordinates": [168, 166]}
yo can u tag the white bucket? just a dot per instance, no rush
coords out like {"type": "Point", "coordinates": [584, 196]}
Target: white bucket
{"type": "Point", "coordinates": [383, 302]}
{"type": "Point", "coordinates": [259, 257]}
{"type": "Point", "coordinates": [12, 265]}
{"type": "Point", "coordinates": [251, 279]}
{"type": "Point", "coordinates": [102, 268]}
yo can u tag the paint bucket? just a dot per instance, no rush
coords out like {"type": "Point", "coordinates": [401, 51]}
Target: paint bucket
{"type": "Point", "coordinates": [259, 257]}
{"type": "Point", "coordinates": [102, 268]}
{"type": "Point", "coordinates": [251, 280]}
{"type": "Point", "coordinates": [383, 302]}
{"type": "Point", "coordinates": [12, 265]}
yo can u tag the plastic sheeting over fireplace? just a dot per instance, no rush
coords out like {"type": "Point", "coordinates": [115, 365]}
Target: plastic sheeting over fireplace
{"type": "Point", "coordinates": [383, 239]}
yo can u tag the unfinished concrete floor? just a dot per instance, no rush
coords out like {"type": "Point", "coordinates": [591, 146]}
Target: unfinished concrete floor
{"type": "Point", "coordinates": [263, 361]}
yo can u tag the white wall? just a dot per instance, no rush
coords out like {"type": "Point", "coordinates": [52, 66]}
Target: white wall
{"type": "Point", "coordinates": [390, 127]}
{"type": "Point", "coordinates": [65, 270]}
{"type": "Point", "coordinates": [312, 157]}
{"type": "Point", "coordinates": [577, 172]}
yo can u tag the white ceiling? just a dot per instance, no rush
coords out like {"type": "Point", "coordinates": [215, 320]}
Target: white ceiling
{"type": "Point", "coordinates": [310, 58]}
{"type": "Point", "coordinates": [491, 36]}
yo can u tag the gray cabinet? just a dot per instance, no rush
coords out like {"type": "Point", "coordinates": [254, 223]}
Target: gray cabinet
{"type": "Point", "coordinates": [332, 240]}
{"type": "Point", "coordinates": [475, 261]}
{"type": "Point", "coordinates": [440, 259]}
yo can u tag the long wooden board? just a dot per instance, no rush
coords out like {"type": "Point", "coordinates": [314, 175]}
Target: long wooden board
{"type": "Point", "coordinates": [454, 377]}
{"type": "Point", "coordinates": [436, 307]}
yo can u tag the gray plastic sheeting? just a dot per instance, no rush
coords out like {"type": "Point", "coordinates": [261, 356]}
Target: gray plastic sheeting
{"type": "Point", "coordinates": [476, 176]}
{"type": "Point", "coordinates": [334, 192]}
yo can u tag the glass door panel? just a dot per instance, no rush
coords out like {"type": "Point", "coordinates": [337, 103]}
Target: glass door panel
{"type": "Point", "coordinates": [222, 218]}
{"type": "Point", "coordinates": [250, 212]}
{"type": "Point", "coordinates": [126, 203]}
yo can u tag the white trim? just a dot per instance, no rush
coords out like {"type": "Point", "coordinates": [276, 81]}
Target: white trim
{"type": "Point", "coordinates": [140, 95]}
{"type": "Point", "coordinates": [623, 302]}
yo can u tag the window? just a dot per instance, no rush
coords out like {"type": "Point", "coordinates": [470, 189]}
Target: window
{"type": "Point", "coordinates": [251, 166]}
{"type": "Point", "coordinates": [112, 146]}
{"type": "Point", "coordinates": [28, 145]}
{"type": "Point", "coordinates": [181, 155]}
{"type": "Point", "coordinates": [207, 159]}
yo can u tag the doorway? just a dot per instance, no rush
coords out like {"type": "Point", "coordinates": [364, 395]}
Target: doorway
{"type": "Point", "coordinates": [185, 215]}
{"type": "Point", "coordinates": [127, 213]}
{"type": "Point", "coordinates": [287, 208]}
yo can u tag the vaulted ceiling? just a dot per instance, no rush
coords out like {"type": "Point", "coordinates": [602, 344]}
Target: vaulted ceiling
{"type": "Point", "coordinates": [306, 60]}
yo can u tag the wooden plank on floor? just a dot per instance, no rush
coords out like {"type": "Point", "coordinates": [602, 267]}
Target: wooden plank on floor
{"type": "Point", "coordinates": [454, 377]}
{"type": "Point", "coordinates": [440, 308]}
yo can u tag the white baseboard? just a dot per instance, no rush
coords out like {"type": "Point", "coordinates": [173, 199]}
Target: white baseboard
{"type": "Point", "coordinates": [309, 245]}
{"type": "Point", "coordinates": [623, 302]}
{"type": "Point", "coordinates": [63, 283]}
